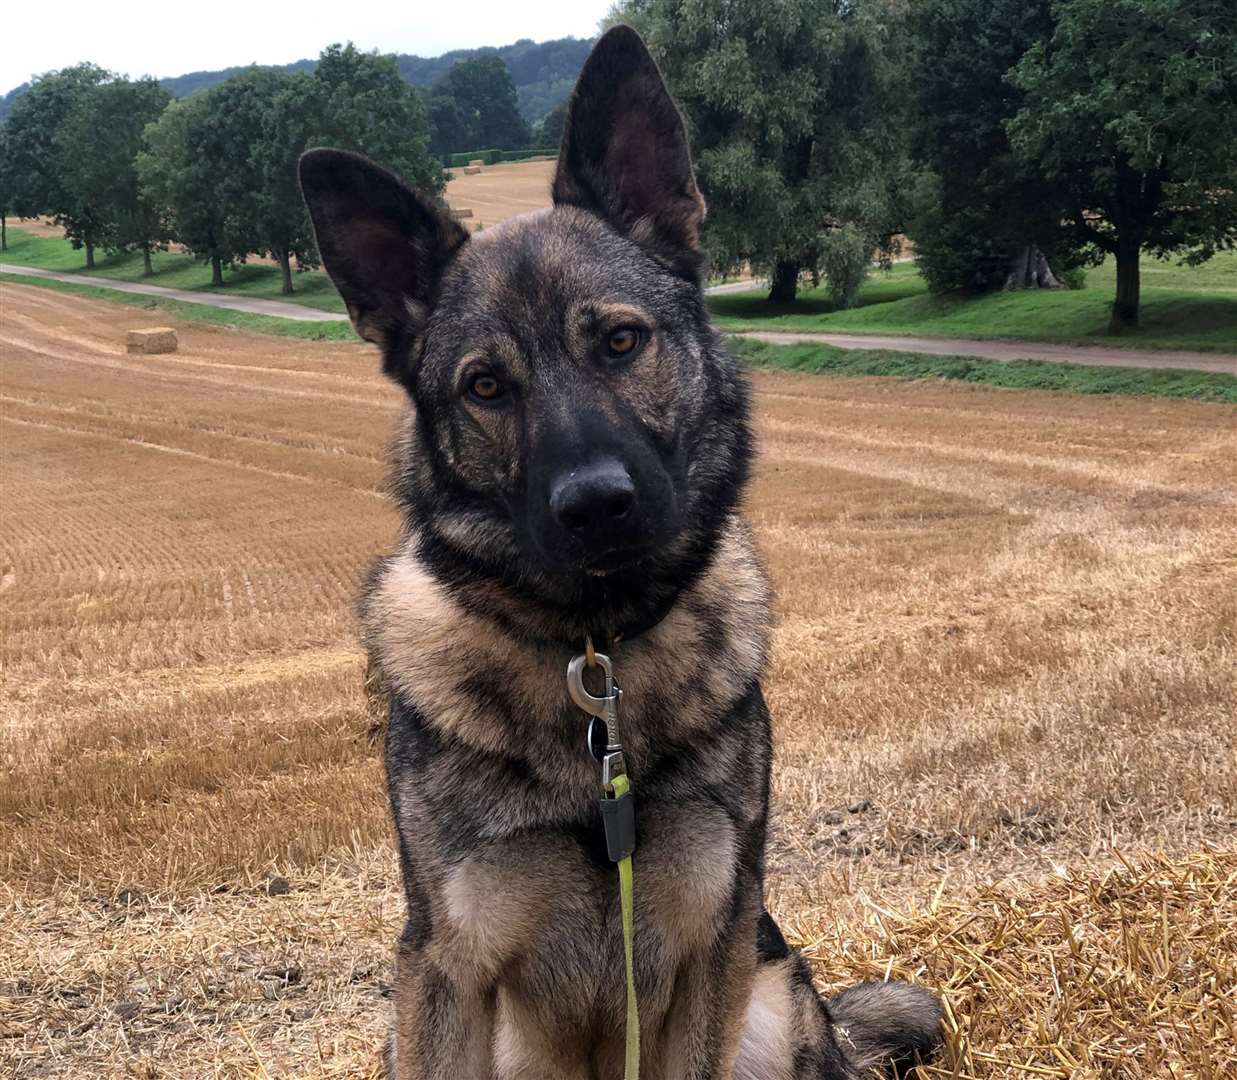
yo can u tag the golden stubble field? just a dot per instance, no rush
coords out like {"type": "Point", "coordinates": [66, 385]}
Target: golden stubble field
{"type": "Point", "coordinates": [498, 192]}
{"type": "Point", "coordinates": [1003, 691]}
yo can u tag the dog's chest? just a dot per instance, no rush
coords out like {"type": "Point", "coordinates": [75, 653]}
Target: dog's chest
{"type": "Point", "coordinates": [540, 914]}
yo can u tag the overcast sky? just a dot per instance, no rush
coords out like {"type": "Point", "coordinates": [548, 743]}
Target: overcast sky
{"type": "Point", "coordinates": [144, 37]}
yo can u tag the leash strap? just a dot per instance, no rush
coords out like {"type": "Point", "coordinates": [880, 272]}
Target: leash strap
{"type": "Point", "coordinates": [621, 786]}
{"type": "Point", "coordinates": [618, 817]}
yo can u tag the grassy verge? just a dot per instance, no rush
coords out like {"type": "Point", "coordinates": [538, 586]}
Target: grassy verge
{"type": "Point", "coordinates": [811, 357]}
{"type": "Point", "coordinates": [1183, 307]}
{"type": "Point", "coordinates": [173, 270]}
{"type": "Point", "coordinates": [241, 320]}
{"type": "Point", "coordinates": [1019, 375]}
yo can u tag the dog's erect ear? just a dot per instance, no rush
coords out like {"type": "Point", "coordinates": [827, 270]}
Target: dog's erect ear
{"type": "Point", "coordinates": [384, 246]}
{"type": "Point", "coordinates": [624, 153]}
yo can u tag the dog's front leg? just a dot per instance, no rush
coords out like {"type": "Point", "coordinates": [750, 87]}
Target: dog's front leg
{"type": "Point", "coordinates": [711, 994]}
{"type": "Point", "coordinates": [444, 1030]}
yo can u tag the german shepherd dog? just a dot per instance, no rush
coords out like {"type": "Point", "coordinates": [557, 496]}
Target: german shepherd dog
{"type": "Point", "coordinates": [571, 466]}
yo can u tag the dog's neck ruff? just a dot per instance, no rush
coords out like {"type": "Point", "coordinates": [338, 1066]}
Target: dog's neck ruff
{"type": "Point", "coordinates": [469, 676]}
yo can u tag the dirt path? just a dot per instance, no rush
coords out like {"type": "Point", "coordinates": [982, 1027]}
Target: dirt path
{"type": "Point", "coordinates": [220, 300]}
{"type": "Point", "coordinates": [1002, 350]}
{"type": "Point", "coordinates": [1006, 350]}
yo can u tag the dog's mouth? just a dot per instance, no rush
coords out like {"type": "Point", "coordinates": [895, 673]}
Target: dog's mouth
{"type": "Point", "coordinates": [614, 560]}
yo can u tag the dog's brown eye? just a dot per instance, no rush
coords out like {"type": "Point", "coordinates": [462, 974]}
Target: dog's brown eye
{"type": "Point", "coordinates": [623, 342]}
{"type": "Point", "coordinates": [485, 388]}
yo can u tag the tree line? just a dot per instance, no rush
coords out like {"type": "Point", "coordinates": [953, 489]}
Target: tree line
{"type": "Point", "coordinates": [1014, 141]}
{"type": "Point", "coordinates": [124, 167]}
{"type": "Point", "coordinates": [543, 72]}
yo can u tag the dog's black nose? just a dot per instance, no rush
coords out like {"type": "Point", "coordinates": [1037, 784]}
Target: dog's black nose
{"type": "Point", "coordinates": [596, 504]}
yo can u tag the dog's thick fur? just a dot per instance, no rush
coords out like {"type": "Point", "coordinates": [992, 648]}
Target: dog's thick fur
{"type": "Point", "coordinates": [511, 962]}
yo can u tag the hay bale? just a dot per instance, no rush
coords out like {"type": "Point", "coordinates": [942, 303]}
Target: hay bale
{"type": "Point", "coordinates": [471, 170]}
{"type": "Point", "coordinates": [476, 163]}
{"type": "Point", "coordinates": [154, 339]}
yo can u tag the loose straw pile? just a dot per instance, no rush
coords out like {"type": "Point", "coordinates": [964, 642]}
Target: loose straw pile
{"type": "Point", "coordinates": [1129, 973]}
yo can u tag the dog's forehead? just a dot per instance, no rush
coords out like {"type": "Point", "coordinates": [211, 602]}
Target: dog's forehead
{"type": "Point", "coordinates": [529, 267]}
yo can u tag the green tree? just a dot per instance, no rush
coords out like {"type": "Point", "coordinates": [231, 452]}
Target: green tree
{"type": "Point", "coordinates": [182, 168]}
{"type": "Point", "coordinates": [1131, 105]}
{"type": "Point", "coordinates": [98, 143]}
{"type": "Point", "coordinates": [795, 113]}
{"type": "Point", "coordinates": [983, 217]}
{"type": "Point", "coordinates": [549, 130]}
{"type": "Point", "coordinates": [6, 186]}
{"type": "Point", "coordinates": [367, 107]}
{"type": "Point", "coordinates": [473, 107]}
{"type": "Point", "coordinates": [267, 119]}
{"type": "Point", "coordinates": [37, 156]}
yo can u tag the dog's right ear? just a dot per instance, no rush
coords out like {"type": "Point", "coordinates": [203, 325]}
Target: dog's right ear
{"type": "Point", "coordinates": [384, 246]}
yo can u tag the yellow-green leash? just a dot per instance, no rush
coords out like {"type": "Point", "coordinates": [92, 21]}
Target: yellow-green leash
{"type": "Point", "coordinates": [618, 816]}
{"type": "Point", "coordinates": [631, 1062]}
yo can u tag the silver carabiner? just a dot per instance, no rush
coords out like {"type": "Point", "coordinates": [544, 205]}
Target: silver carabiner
{"type": "Point", "coordinates": [604, 708]}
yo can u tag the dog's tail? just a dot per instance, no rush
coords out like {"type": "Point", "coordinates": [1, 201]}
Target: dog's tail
{"type": "Point", "coordinates": [884, 1028]}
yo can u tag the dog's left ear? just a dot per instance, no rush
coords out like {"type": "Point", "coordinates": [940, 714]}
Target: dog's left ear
{"type": "Point", "coordinates": [624, 154]}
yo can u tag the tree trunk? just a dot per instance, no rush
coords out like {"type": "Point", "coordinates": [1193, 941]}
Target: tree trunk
{"type": "Point", "coordinates": [285, 269]}
{"type": "Point", "coordinates": [785, 283]}
{"type": "Point", "coordinates": [89, 254]}
{"type": "Point", "coordinates": [4, 232]}
{"type": "Point", "coordinates": [148, 269]}
{"type": "Point", "coordinates": [1029, 269]}
{"type": "Point", "coordinates": [216, 270]}
{"type": "Point", "coordinates": [1125, 309]}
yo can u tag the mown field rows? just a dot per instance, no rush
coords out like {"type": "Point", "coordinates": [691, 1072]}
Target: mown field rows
{"type": "Point", "coordinates": [1002, 688]}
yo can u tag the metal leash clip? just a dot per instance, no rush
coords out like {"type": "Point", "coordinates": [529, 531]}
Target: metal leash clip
{"type": "Point", "coordinates": [603, 708]}
{"type": "Point", "coordinates": [618, 819]}
{"type": "Point", "coordinates": [618, 807]}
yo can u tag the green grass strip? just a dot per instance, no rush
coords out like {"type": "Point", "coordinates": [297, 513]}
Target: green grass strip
{"type": "Point", "coordinates": [814, 358]}
{"type": "Point", "coordinates": [203, 313]}
{"type": "Point", "coordinates": [1183, 307]}
{"type": "Point", "coordinates": [173, 269]}
{"type": "Point", "coordinates": [818, 359]}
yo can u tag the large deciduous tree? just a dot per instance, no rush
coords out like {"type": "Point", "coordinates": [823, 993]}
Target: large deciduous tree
{"type": "Point", "coordinates": [473, 107]}
{"type": "Point", "coordinates": [269, 119]}
{"type": "Point", "coordinates": [6, 186]}
{"type": "Point", "coordinates": [256, 125]}
{"type": "Point", "coordinates": [37, 162]}
{"type": "Point", "coordinates": [182, 169]}
{"type": "Point", "coordinates": [549, 129]}
{"type": "Point", "coordinates": [983, 216]}
{"type": "Point", "coordinates": [1131, 107]}
{"type": "Point", "coordinates": [367, 107]}
{"type": "Point", "coordinates": [796, 124]}
{"type": "Point", "coordinates": [98, 143]}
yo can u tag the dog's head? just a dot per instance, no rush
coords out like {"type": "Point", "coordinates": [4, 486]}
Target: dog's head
{"type": "Point", "coordinates": [578, 438]}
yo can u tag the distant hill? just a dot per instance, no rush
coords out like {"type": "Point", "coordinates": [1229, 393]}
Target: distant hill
{"type": "Point", "coordinates": [184, 85]}
{"type": "Point", "coordinates": [543, 72]}
{"type": "Point", "coordinates": [6, 102]}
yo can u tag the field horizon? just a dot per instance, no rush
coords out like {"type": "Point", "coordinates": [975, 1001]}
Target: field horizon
{"type": "Point", "coordinates": [1002, 685]}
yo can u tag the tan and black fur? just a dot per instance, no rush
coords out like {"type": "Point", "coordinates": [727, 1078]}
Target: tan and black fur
{"type": "Point", "coordinates": [571, 465]}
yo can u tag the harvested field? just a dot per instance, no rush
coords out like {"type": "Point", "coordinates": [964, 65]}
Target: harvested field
{"type": "Point", "coordinates": [1002, 689]}
{"type": "Point", "coordinates": [39, 226]}
{"type": "Point", "coordinates": [498, 192]}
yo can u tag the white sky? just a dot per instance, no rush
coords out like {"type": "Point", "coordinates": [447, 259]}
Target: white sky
{"type": "Point", "coordinates": [145, 37]}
